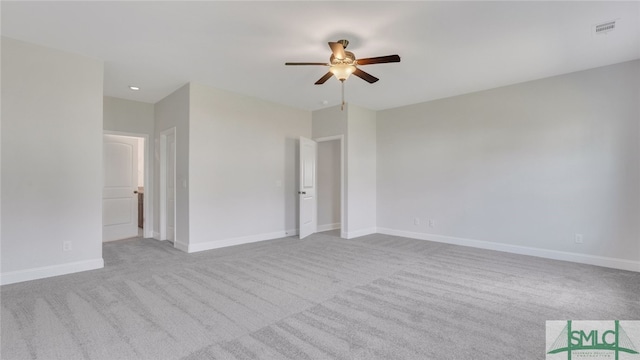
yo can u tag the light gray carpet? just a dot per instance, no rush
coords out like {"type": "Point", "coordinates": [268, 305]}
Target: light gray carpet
{"type": "Point", "coordinates": [375, 297]}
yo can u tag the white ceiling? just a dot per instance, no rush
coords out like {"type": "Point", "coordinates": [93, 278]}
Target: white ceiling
{"type": "Point", "coordinates": [447, 48]}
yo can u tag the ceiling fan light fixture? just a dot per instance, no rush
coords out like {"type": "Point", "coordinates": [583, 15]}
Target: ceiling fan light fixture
{"type": "Point", "coordinates": [342, 71]}
{"type": "Point", "coordinates": [343, 63]}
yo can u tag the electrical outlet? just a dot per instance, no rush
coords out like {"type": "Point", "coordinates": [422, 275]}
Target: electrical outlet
{"type": "Point", "coordinates": [432, 223]}
{"type": "Point", "coordinates": [66, 246]}
{"type": "Point", "coordinates": [579, 239]}
{"type": "Point", "coordinates": [416, 221]}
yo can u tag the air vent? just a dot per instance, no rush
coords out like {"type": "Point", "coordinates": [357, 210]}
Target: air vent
{"type": "Point", "coordinates": [605, 27]}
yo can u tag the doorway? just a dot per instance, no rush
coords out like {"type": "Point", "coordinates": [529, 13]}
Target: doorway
{"type": "Point", "coordinates": [168, 185]}
{"type": "Point", "coordinates": [330, 187]}
{"type": "Point", "coordinates": [125, 199]}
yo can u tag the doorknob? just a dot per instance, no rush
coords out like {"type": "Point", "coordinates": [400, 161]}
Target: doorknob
{"type": "Point", "coordinates": [302, 193]}
{"type": "Point", "coordinates": [135, 191]}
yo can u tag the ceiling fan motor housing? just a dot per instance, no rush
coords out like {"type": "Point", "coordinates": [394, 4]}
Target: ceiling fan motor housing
{"type": "Point", "coordinates": [349, 59]}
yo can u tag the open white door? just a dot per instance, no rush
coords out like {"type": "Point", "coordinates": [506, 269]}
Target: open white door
{"type": "Point", "coordinates": [120, 192]}
{"type": "Point", "coordinates": [307, 188]}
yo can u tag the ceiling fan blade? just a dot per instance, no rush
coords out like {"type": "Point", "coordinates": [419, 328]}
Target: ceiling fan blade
{"type": "Point", "coordinates": [324, 78]}
{"type": "Point", "coordinates": [338, 50]}
{"type": "Point", "coordinates": [379, 60]}
{"type": "Point", "coordinates": [365, 76]}
{"type": "Point", "coordinates": [307, 63]}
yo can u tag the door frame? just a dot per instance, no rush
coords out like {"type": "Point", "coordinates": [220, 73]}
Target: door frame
{"type": "Point", "coordinates": [148, 184]}
{"type": "Point", "coordinates": [343, 213]}
{"type": "Point", "coordinates": [163, 185]}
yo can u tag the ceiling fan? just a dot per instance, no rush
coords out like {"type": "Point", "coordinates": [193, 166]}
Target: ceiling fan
{"type": "Point", "coordinates": [343, 63]}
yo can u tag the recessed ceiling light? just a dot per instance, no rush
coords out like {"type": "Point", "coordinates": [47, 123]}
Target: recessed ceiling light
{"type": "Point", "coordinates": [134, 88]}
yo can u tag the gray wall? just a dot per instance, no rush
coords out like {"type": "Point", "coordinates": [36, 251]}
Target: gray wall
{"type": "Point", "coordinates": [242, 167]}
{"type": "Point", "coordinates": [128, 116]}
{"type": "Point", "coordinates": [361, 171]}
{"type": "Point", "coordinates": [328, 185]}
{"type": "Point", "coordinates": [329, 122]}
{"type": "Point", "coordinates": [51, 162]}
{"type": "Point", "coordinates": [530, 165]}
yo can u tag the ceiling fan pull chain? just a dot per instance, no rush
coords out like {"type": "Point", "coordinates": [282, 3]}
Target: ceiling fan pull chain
{"type": "Point", "coordinates": [342, 105]}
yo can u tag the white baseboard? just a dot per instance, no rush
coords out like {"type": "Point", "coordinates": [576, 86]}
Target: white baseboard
{"type": "Point", "coordinates": [292, 232]}
{"type": "Point", "coordinates": [328, 227]}
{"type": "Point", "coordinates": [181, 246]}
{"type": "Point", "coordinates": [210, 245]}
{"type": "Point", "coordinates": [358, 233]}
{"type": "Point", "coordinates": [13, 277]}
{"type": "Point", "coordinates": [614, 263]}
